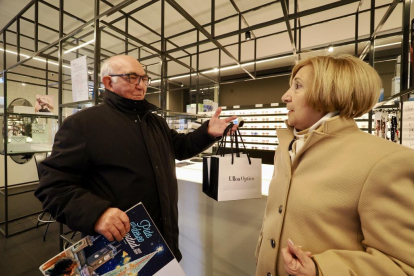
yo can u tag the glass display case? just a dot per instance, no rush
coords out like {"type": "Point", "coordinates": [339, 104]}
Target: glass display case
{"type": "Point", "coordinates": [28, 133]}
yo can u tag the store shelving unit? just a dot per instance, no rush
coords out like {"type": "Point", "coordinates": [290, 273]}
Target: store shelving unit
{"type": "Point", "coordinates": [181, 122]}
{"type": "Point", "coordinates": [259, 129]}
{"type": "Point", "coordinates": [34, 141]}
{"type": "Point", "coordinates": [260, 124]}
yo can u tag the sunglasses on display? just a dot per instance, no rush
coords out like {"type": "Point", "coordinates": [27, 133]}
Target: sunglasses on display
{"type": "Point", "coordinates": [134, 78]}
{"type": "Point", "coordinates": [18, 138]}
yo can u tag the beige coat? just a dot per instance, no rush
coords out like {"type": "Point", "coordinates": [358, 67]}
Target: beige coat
{"type": "Point", "coordinates": [348, 198]}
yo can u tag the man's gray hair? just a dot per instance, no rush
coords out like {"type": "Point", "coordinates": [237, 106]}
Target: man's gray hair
{"type": "Point", "coordinates": [106, 69]}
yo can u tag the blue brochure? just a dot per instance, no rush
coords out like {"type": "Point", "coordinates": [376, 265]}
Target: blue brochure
{"type": "Point", "coordinates": [142, 252]}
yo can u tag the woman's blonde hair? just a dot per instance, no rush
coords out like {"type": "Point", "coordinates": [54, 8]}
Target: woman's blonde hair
{"type": "Point", "coordinates": [343, 83]}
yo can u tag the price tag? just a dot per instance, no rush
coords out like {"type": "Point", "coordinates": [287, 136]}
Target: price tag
{"type": "Point", "coordinates": [223, 107]}
{"type": "Point", "coordinates": [236, 106]}
{"type": "Point", "coordinates": [274, 104]}
{"type": "Point", "coordinates": [258, 105]}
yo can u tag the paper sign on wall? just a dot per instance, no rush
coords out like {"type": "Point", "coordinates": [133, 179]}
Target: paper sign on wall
{"type": "Point", "coordinates": [408, 125]}
{"type": "Point", "coordinates": [79, 71]}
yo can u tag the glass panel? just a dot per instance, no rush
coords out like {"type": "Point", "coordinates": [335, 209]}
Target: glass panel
{"type": "Point", "coordinates": [32, 109]}
{"type": "Point", "coordinates": [387, 62]}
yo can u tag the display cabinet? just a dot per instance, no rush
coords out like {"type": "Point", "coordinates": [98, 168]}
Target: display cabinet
{"type": "Point", "coordinates": [23, 135]}
{"type": "Point", "coordinates": [28, 133]}
{"type": "Point", "coordinates": [184, 122]}
{"type": "Point", "coordinates": [180, 124]}
{"type": "Point", "coordinates": [260, 124]}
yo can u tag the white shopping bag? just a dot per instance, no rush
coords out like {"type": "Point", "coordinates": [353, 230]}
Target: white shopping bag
{"type": "Point", "coordinates": [232, 176]}
{"type": "Point", "coordinates": [239, 180]}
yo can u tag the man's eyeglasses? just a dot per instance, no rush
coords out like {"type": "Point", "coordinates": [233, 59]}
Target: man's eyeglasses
{"type": "Point", "coordinates": [134, 78]}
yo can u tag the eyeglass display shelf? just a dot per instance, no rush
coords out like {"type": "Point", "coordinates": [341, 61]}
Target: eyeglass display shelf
{"type": "Point", "coordinates": [260, 115]}
{"type": "Point", "coordinates": [182, 115]}
{"type": "Point", "coordinates": [261, 150]}
{"type": "Point", "coordinates": [254, 143]}
{"type": "Point", "coordinates": [77, 104]}
{"type": "Point", "coordinates": [261, 135]}
{"type": "Point", "coordinates": [37, 115]}
{"type": "Point", "coordinates": [254, 115]}
{"type": "Point", "coordinates": [26, 152]}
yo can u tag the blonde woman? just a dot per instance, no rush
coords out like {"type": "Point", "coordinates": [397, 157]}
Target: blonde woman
{"type": "Point", "coordinates": [341, 201]}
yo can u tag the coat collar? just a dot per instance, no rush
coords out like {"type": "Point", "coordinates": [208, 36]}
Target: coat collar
{"type": "Point", "coordinates": [335, 126]}
{"type": "Point", "coordinates": [126, 105]}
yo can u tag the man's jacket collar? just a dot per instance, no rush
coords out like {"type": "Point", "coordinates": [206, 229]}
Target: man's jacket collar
{"type": "Point", "coordinates": [126, 105]}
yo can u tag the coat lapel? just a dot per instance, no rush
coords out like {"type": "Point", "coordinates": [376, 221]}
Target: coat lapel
{"type": "Point", "coordinates": [313, 138]}
{"type": "Point", "coordinates": [285, 137]}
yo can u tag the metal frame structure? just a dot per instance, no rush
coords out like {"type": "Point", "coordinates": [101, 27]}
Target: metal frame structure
{"type": "Point", "coordinates": [147, 51]}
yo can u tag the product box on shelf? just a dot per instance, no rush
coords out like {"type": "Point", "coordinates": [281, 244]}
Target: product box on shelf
{"type": "Point", "coordinates": [395, 86]}
{"type": "Point", "coordinates": [24, 109]}
{"type": "Point", "coordinates": [192, 108]}
{"type": "Point", "coordinates": [207, 105]}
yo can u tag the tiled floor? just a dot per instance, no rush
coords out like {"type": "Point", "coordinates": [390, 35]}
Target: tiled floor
{"type": "Point", "coordinates": [216, 238]}
{"type": "Point", "coordinates": [22, 254]}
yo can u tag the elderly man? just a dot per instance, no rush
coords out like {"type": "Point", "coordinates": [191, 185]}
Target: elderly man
{"type": "Point", "coordinates": [109, 157]}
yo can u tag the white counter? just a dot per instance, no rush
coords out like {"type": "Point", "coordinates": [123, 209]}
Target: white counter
{"type": "Point", "coordinates": [194, 173]}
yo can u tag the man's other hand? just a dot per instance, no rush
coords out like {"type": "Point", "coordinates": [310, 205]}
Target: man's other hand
{"type": "Point", "coordinates": [113, 224]}
{"type": "Point", "coordinates": [216, 126]}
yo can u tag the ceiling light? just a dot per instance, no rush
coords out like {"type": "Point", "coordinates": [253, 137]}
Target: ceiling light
{"type": "Point", "coordinates": [179, 77]}
{"type": "Point", "coordinates": [80, 46]}
{"type": "Point", "coordinates": [330, 49]}
{"type": "Point", "coordinates": [247, 64]}
{"type": "Point", "coordinates": [229, 67]}
{"type": "Point", "coordinates": [23, 84]}
{"type": "Point", "coordinates": [183, 76]}
{"type": "Point", "coordinates": [248, 35]}
{"type": "Point", "coordinates": [385, 45]}
{"type": "Point", "coordinates": [211, 71]}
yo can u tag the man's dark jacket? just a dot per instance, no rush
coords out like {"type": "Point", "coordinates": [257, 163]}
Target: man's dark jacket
{"type": "Point", "coordinates": [116, 155]}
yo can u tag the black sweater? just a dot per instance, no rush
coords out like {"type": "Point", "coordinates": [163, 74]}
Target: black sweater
{"type": "Point", "coordinates": [116, 155]}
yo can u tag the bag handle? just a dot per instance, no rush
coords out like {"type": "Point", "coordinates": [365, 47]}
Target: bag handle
{"type": "Point", "coordinates": [237, 144]}
{"type": "Point", "coordinates": [241, 139]}
{"type": "Point", "coordinates": [222, 143]}
{"type": "Point", "coordinates": [233, 138]}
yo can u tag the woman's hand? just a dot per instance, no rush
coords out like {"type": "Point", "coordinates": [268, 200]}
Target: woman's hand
{"type": "Point", "coordinates": [298, 262]}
